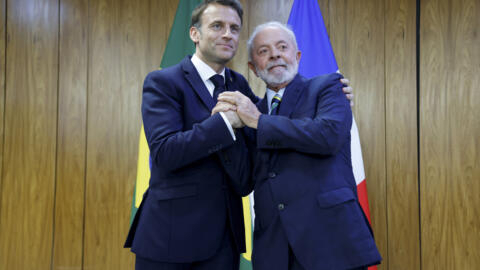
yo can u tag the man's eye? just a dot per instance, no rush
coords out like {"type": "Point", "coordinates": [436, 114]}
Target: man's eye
{"type": "Point", "coordinates": [283, 47]}
{"type": "Point", "coordinates": [216, 26]}
{"type": "Point", "coordinates": [262, 52]}
{"type": "Point", "coordinates": [235, 30]}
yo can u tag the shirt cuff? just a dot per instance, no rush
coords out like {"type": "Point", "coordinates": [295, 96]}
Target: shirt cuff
{"type": "Point", "coordinates": [228, 126]}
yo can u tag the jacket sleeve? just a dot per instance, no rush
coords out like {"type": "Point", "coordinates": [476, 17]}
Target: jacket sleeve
{"type": "Point", "coordinates": [324, 134]}
{"type": "Point", "coordinates": [237, 162]}
{"type": "Point", "coordinates": [171, 146]}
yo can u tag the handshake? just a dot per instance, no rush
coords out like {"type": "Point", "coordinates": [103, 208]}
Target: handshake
{"type": "Point", "coordinates": [238, 108]}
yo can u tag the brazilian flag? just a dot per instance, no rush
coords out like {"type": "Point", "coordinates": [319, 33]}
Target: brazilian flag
{"type": "Point", "coordinates": [178, 46]}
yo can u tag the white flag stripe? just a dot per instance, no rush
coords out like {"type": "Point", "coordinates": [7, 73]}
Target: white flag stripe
{"type": "Point", "coordinates": [356, 154]}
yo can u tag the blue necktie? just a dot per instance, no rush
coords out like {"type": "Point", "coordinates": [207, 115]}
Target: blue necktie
{"type": "Point", "coordinates": [219, 83]}
{"type": "Point", "coordinates": [274, 105]}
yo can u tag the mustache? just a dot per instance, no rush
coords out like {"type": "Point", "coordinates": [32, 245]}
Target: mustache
{"type": "Point", "coordinates": [278, 62]}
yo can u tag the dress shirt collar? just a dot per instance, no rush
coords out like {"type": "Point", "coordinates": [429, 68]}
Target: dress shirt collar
{"type": "Point", "coordinates": [204, 70]}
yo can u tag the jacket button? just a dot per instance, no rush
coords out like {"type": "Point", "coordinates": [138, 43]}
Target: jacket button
{"type": "Point", "coordinates": [272, 174]}
{"type": "Point", "coordinates": [281, 206]}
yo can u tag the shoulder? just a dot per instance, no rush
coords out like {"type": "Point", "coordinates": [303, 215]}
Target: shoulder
{"type": "Point", "coordinates": [236, 78]}
{"type": "Point", "coordinates": [330, 80]}
{"type": "Point", "coordinates": [165, 73]}
{"type": "Point", "coordinates": [163, 79]}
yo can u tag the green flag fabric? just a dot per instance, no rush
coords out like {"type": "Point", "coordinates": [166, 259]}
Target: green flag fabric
{"type": "Point", "coordinates": [179, 43]}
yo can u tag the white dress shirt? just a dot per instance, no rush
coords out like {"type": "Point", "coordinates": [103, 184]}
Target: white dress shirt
{"type": "Point", "coordinates": [206, 72]}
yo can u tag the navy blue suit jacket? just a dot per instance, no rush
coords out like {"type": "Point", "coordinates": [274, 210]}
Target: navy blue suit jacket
{"type": "Point", "coordinates": [304, 180]}
{"type": "Point", "coordinates": [198, 171]}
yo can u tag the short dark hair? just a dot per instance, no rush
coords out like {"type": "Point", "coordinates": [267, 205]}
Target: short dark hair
{"type": "Point", "coordinates": [198, 11]}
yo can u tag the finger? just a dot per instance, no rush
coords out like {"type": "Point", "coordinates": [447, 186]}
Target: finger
{"type": "Point", "coordinates": [347, 90]}
{"type": "Point", "coordinates": [228, 94]}
{"type": "Point", "coordinates": [345, 81]}
{"type": "Point", "coordinates": [223, 103]}
{"type": "Point", "coordinates": [223, 107]}
{"type": "Point", "coordinates": [227, 106]}
{"type": "Point", "coordinates": [234, 94]}
{"type": "Point", "coordinates": [227, 98]}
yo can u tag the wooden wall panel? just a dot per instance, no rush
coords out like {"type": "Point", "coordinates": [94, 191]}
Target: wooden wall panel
{"type": "Point", "coordinates": [261, 12]}
{"type": "Point", "coordinates": [26, 222]}
{"type": "Point", "coordinates": [72, 132]}
{"type": "Point", "coordinates": [401, 135]}
{"type": "Point", "coordinates": [449, 134]}
{"type": "Point", "coordinates": [357, 36]}
{"type": "Point", "coordinates": [121, 35]}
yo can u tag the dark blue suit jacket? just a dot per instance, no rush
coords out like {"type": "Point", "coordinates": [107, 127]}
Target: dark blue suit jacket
{"type": "Point", "coordinates": [304, 180]}
{"type": "Point", "coordinates": [198, 171]}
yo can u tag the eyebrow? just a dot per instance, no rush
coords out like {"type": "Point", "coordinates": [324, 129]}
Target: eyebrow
{"type": "Point", "coordinates": [224, 22]}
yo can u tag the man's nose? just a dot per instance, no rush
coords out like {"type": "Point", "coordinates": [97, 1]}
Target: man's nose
{"type": "Point", "coordinates": [227, 33]}
{"type": "Point", "coordinates": [275, 54]}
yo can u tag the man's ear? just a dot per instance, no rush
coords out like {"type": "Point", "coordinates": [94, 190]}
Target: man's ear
{"type": "Point", "coordinates": [298, 56]}
{"type": "Point", "coordinates": [194, 34]}
{"type": "Point", "coordinates": [252, 67]}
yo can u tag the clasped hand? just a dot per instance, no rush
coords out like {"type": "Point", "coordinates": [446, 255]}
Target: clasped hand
{"type": "Point", "coordinates": [238, 108]}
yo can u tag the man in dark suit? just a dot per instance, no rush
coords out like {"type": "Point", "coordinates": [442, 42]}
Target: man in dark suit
{"type": "Point", "coordinates": [307, 214]}
{"type": "Point", "coordinates": [191, 216]}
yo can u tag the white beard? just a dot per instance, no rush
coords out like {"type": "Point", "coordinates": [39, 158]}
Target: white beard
{"type": "Point", "coordinates": [277, 79]}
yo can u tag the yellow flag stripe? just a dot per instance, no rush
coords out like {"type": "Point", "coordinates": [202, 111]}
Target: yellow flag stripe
{"type": "Point", "coordinates": [143, 168]}
{"type": "Point", "coordinates": [248, 228]}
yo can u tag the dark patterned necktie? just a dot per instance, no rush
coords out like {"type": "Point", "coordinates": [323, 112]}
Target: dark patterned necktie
{"type": "Point", "coordinates": [274, 104]}
{"type": "Point", "coordinates": [219, 83]}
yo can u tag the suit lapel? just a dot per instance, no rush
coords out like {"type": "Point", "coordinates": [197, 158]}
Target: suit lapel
{"type": "Point", "coordinates": [289, 102]}
{"type": "Point", "coordinates": [291, 95]}
{"type": "Point", "coordinates": [192, 76]}
{"type": "Point", "coordinates": [262, 105]}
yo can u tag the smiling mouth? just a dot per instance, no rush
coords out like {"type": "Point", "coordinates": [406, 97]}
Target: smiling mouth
{"type": "Point", "coordinates": [225, 46]}
{"type": "Point", "coordinates": [276, 66]}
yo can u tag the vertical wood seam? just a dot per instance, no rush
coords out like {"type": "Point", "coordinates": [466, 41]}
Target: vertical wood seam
{"type": "Point", "coordinates": [385, 131]}
{"type": "Point", "coordinates": [4, 102]}
{"type": "Point", "coordinates": [417, 45]}
{"type": "Point", "coordinates": [55, 173]}
{"type": "Point", "coordinates": [86, 137]}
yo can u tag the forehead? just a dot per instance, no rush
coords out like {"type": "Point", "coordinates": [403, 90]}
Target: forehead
{"type": "Point", "coordinates": [220, 13]}
{"type": "Point", "coordinates": [272, 35]}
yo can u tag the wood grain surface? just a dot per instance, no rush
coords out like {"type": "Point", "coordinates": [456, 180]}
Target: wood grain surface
{"type": "Point", "coordinates": [401, 135]}
{"type": "Point", "coordinates": [71, 134]}
{"type": "Point", "coordinates": [28, 176]}
{"type": "Point", "coordinates": [449, 134]}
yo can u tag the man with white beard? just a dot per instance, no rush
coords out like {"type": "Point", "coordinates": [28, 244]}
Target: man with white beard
{"type": "Point", "coordinates": [307, 214]}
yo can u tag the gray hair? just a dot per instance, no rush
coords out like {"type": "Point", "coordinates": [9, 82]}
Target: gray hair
{"type": "Point", "coordinates": [261, 27]}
